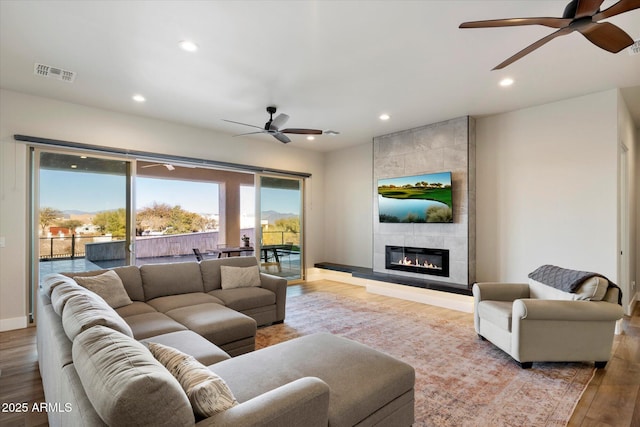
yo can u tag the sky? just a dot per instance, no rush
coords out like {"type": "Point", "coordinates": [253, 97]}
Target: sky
{"type": "Point", "coordinates": [443, 177]}
{"type": "Point", "coordinates": [92, 192]}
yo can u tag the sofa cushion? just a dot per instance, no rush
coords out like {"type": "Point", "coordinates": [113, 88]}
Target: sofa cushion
{"type": "Point", "coordinates": [216, 323]}
{"type": "Point", "coordinates": [132, 281]}
{"type": "Point", "coordinates": [146, 325]}
{"type": "Point", "coordinates": [239, 277]}
{"type": "Point", "coordinates": [496, 312]}
{"type": "Point", "coordinates": [211, 269]}
{"type": "Point", "coordinates": [159, 280]}
{"type": "Point", "coordinates": [108, 285]}
{"type": "Point", "coordinates": [241, 299]}
{"type": "Point", "coordinates": [136, 307]}
{"type": "Point", "coordinates": [207, 392]}
{"type": "Point", "coordinates": [83, 312]}
{"type": "Point", "coordinates": [191, 343]}
{"type": "Point", "coordinates": [126, 384]}
{"type": "Point", "coordinates": [592, 289]}
{"type": "Point", "coordinates": [169, 302]}
{"type": "Point", "coordinates": [50, 281]}
{"type": "Point", "coordinates": [63, 292]}
{"type": "Point", "coordinates": [361, 379]}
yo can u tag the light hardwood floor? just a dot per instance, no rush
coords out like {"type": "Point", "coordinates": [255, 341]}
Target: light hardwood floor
{"type": "Point", "coordinates": [611, 399]}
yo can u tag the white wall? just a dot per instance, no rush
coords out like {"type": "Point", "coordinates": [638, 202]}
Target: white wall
{"type": "Point", "coordinates": [42, 117]}
{"type": "Point", "coordinates": [628, 136]}
{"type": "Point", "coordinates": [348, 229]}
{"type": "Point", "coordinates": [547, 188]}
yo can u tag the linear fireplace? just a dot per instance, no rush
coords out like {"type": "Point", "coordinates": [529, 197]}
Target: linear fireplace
{"type": "Point", "coordinates": [417, 260]}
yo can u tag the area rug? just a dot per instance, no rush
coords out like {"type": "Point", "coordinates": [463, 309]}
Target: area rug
{"type": "Point", "coordinates": [460, 380]}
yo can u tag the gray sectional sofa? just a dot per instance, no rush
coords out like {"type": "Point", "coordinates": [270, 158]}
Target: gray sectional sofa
{"type": "Point", "coordinates": [97, 370]}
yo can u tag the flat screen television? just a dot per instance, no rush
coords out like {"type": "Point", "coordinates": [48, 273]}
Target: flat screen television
{"type": "Point", "coordinates": [417, 198]}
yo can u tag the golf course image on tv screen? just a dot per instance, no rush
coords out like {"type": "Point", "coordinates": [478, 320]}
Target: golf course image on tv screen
{"type": "Point", "coordinates": [417, 198]}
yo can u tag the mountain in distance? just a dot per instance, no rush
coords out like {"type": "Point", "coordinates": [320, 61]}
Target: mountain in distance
{"type": "Point", "coordinates": [273, 216]}
{"type": "Point", "coordinates": [77, 212]}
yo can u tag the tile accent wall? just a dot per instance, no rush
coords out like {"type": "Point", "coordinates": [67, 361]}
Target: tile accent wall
{"type": "Point", "coordinates": [448, 146]}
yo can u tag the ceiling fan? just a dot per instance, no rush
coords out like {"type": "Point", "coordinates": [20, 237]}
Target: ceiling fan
{"type": "Point", "coordinates": [579, 15]}
{"type": "Point", "coordinates": [272, 127]}
{"type": "Point", "coordinates": [166, 165]}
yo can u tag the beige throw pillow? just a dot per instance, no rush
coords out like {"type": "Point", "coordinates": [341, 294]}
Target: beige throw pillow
{"type": "Point", "coordinates": [239, 277]}
{"type": "Point", "coordinates": [109, 286]}
{"type": "Point", "coordinates": [207, 392]}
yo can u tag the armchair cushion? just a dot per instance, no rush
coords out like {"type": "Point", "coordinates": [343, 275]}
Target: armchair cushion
{"type": "Point", "coordinates": [497, 312]}
{"type": "Point", "coordinates": [592, 289]}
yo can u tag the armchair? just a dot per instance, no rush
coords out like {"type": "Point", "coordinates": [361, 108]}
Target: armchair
{"type": "Point", "coordinates": [533, 322]}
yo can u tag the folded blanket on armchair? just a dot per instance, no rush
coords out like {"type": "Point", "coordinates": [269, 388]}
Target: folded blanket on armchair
{"type": "Point", "coordinates": [565, 279]}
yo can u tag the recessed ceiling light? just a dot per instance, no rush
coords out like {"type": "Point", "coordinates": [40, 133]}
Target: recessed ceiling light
{"type": "Point", "coordinates": [138, 98]}
{"type": "Point", "coordinates": [187, 45]}
{"type": "Point", "coordinates": [384, 117]}
{"type": "Point", "coordinates": [311, 137]}
{"type": "Point", "coordinates": [74, 166]}
{"type": "Point", "coordinates": [506, 82]}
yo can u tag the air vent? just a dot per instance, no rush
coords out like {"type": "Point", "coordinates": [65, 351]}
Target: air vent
{"type": "Point", "coordinates": [634, 49]}
{"type": "Point", "coordinates": [54, 73]}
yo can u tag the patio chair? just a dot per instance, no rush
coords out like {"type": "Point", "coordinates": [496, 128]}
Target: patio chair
{"type": "Point", "coordinates": [286, 250]}
{"type": "Point", "coordinates": [198, 255]}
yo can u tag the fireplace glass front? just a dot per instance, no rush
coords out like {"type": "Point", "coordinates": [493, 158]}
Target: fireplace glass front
{"type": "Point", "coordinates": [417, 260]}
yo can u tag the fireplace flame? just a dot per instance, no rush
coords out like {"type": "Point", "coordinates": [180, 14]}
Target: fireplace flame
{"type": "Point", "coordinates": [425, 264]}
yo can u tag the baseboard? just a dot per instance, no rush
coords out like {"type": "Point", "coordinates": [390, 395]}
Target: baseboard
{"type": "Point", "coordinates": [13, 323]}
{"type": "Point", "coordinates": [448, 300]}
{"type": "Point", "coordinates": [314, 274]}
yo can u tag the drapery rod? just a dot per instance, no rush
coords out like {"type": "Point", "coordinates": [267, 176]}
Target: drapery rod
{"type": "Point", "coordinates": [166, 158]}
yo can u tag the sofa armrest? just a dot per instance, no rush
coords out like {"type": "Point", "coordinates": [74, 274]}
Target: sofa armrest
{"type": "Point", "coordinates": [278, 286]}
{"type": "Point", "coordinates": [498, 291]}
{"type": "Point", "coordinates": [537, 309]}
{"type": "Point", "coordinates": [303, 402]}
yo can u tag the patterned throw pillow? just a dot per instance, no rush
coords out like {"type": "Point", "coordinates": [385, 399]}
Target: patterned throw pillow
{"type": "Point", "coordinates": [207, 392]}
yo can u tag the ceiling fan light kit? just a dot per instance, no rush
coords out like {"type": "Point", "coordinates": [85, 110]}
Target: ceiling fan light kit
{"type": "Point", "coordinates": [272, 127]}
{"type": "Point", "coordinates": [579, 15]}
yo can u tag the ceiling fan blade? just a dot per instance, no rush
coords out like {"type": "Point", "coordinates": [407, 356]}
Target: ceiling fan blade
{"type": "Point", "coordinates": [278, 121]}
{"type": "Point", "coordinates": [281, 137]}
{"type": "Point", "coordinates": [251, 133]}
{"type": "Point", "coordinates": [547, 22]}
{"type": "Point", "coordinates": [302, 131]}
{"type": "Point", "coordinates": [587, 8]}
{"type": "Point", "coordinates": [243, 124]}
{"type": "Point", "coordinates": [607, 36]}
{"type": "Point", "coordinates": [534, 46]}
{"type": "Point", "coordinates": [618, 8]}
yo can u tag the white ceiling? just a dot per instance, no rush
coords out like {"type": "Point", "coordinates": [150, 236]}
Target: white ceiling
{"type": "Point", "coordinates": [328, 64]}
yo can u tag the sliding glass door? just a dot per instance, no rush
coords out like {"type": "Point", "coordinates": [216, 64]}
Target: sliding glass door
{"type": "Point", "coordinates": [281, 243]}
{"type": "Point", "coordinates": [81, 218]}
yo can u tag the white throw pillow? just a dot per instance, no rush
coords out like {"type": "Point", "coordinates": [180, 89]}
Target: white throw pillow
{"type": "Point", "coordinates": [207, 392]}
{"type": "Point", "coordinates": [239, 277]}
{"type": "Point", "coordinates": [109, 286]}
